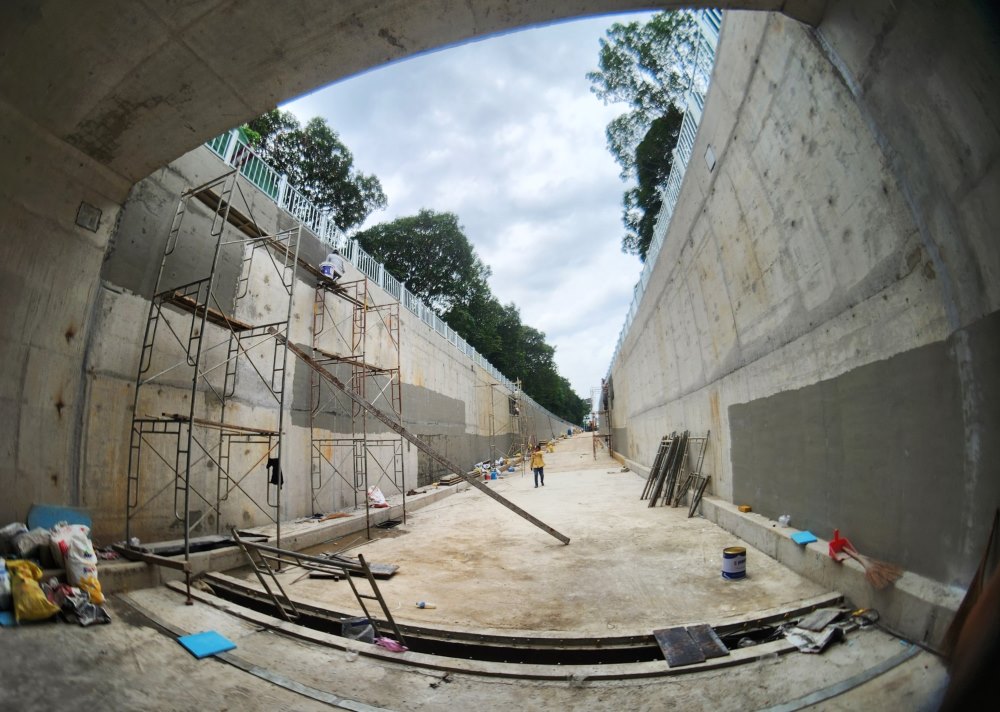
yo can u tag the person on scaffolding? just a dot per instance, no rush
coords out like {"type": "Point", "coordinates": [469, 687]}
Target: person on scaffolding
{"type": "Point", "coordinates": [334, 266]}
{"type": "Point", "coordinates": [538, 465]}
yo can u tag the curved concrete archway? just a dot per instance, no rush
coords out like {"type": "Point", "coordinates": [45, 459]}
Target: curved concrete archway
{"type": "Point", "coordinates": [93, 97]}
{"type": "Point", "coordinates": [133, 85]}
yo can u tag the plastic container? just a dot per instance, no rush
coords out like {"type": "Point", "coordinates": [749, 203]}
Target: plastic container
{"type": "Point", "coordinates": [358, 629]}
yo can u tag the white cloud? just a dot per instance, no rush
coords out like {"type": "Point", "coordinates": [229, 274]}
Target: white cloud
{"type": "Point", "coordinates": [505, 133]}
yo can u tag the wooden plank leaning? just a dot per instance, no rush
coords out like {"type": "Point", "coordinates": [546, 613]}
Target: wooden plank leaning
{"type": "Point", "coordinates": [420, 444]}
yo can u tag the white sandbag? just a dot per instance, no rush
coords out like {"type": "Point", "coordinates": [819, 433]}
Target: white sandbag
{"type": "Point", "coordinates": [71, 544]}
{"type": "Point", "coordinates": [376, 497]}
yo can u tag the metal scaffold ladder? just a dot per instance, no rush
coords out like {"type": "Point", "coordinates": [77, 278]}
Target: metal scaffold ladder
{"type": "Point", "coordinates": [261, 556]}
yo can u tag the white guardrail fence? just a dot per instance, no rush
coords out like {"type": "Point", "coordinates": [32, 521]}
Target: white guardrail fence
{"type": "Point", "coordinates": [709, 23]}
{"type": "Point", "coordinates": [236, 153]}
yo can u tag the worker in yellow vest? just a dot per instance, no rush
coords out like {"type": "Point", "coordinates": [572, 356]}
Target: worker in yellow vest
{"type": "Point", "coordinates": [538, 465]}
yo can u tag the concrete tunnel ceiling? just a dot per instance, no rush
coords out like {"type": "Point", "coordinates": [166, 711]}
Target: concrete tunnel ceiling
{"type": "Point", "coordinates": [136, 84]}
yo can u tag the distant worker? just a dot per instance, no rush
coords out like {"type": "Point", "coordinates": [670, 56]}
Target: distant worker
{"type": "Point", "coordinates": [538, 465]}
{"type": "Point", "coordinates": [334, 266]}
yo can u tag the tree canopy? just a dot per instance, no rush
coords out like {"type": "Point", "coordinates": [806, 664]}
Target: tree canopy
{"type": "Point", "coordinates": [646, 66]}
{"type": "Point", "coordinates": [428, 251]}
{"type": "Point", "coordinates": [318, 164]}
{"type": "Point", "coordinates": [653, 160]}
{"type": "Point", "coordinates": [432, 255]}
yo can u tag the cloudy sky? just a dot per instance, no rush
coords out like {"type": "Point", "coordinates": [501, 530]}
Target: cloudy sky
{"type": "Point", "coordinates": [505, 133]}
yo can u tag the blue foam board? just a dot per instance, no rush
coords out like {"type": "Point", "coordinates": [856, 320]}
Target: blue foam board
{"type": "Point", "coordinates": [202, 645]}
{"type": "Point", "coordinates": [47, 516]}
{"type": "Point", "coordinates": [803, 538]}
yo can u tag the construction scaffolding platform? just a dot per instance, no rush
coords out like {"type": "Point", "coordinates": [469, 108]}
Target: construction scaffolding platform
{"type": "Point", "coordinates": [210, 374]}
{"type": "Point", "coordinates": [359, 340]}
{"type": "Point", "coordinates": [600, 418]}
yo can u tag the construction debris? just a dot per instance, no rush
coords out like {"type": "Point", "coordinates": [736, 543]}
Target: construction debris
{"type": "Point", "coordinates": [688, 645]}
{"type": "Point", "coordinates": [808, 641]}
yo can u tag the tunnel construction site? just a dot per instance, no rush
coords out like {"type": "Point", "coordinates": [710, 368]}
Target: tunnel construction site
{"type": "Point", "coordinates": [307, 491]}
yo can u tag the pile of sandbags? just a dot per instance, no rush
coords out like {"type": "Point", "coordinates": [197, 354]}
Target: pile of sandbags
{"type": "Point", "coordinates": [23, 555]}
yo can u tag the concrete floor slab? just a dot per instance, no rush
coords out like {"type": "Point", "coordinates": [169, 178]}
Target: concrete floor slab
{"type": "Point", "coordinates": [133, 664]}
{"type": "Point", "coordinates": [628, 570]}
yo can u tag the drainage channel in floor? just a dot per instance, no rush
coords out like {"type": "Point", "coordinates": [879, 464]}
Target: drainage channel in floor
{"type": "Point", "coordinates": [524, 651]}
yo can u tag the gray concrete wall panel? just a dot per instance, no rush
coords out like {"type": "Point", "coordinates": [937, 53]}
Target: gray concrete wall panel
{"type": "Point", "coordinates": [842, 237]}
{"type": "Point", "coordinates": [446, 398]}
{"type": "Point", "coordinates": [877, 452]}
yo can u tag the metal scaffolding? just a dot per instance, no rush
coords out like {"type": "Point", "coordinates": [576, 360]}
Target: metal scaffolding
{"type": "Point", "coordinates": [369, 348]}
{"type": "Point", "coordinates": [210, 375]}
{"type": "Point", "coordinates": [600, 418]}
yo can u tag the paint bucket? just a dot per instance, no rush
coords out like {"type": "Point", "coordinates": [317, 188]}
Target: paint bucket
{"type": "Point", "coordinates": [734, 562]}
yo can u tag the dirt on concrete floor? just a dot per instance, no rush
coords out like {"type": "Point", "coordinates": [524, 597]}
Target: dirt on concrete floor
{"type": "Point", "coordinates": [628, 569]}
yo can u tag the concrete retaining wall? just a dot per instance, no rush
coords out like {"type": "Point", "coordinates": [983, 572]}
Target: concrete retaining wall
{"type": "Point", "coordinates": [825, 301]}
{"type": "Point", "coordinates": [446, 398]}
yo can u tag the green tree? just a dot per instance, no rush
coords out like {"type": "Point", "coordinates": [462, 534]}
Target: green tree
{"type": "Point", "coordinates": [654, 158]}
{"type": "Point", "coordinates": [431, 254]}
{"type": "Point", "coordinates": [646, 66]}
{"type": "Point", "coordinates": [318, 164]}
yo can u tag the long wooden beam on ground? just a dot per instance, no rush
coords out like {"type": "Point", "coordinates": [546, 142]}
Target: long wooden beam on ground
{"type": "Point", "coordinates": [420, 444]}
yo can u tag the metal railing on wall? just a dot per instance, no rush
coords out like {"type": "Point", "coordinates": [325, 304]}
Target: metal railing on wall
{"type": "Point", "coordinates": [232, 149]}
{"type": "Point", "coordinates": [709, 22]}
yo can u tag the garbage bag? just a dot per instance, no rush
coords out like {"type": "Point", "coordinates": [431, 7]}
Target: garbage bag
{"type": "Point", "coordinates": [34, 544]}
{"type": "Point", "coordinates": [30, 603]}
{"type": "Point", "coordinates": [376, 498]}
{"type": "Point", "coordinates": [391, 645]}
{"type": "Point", "coordinates": [7, 536]}
{"type": "Point", "coordinates": [76, 606]}
{"type": "Point", "coordinates": [72, 542]}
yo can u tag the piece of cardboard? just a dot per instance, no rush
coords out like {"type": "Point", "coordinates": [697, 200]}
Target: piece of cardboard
{"type": "Point", "coordinates": [47, 516]}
